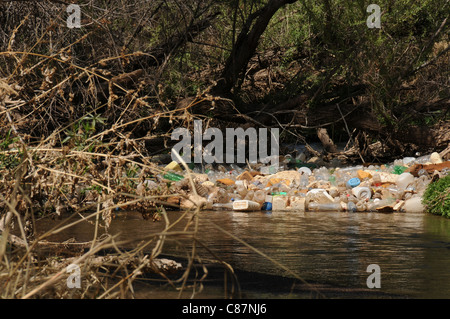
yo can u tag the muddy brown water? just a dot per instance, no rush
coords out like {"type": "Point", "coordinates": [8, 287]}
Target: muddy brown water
{"type": "Point", "coordinates": [329, 250]}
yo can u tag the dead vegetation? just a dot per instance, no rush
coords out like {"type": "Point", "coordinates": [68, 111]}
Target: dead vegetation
{"type": "Point", "coordinates": [83, 112]}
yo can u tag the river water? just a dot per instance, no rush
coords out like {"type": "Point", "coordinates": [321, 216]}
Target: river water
{"type": "Point", "coordinates": [329, 249]}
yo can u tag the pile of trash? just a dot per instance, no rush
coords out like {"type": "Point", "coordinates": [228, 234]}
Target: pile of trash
{"type": "Point", "coordinates": [394, 187]}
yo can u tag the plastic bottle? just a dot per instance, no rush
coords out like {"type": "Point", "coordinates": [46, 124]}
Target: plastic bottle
{"type": "Point", "coordinates": [201, 190]}
{"type": "Point", "coordinates": [361, 206]}
{"type": "Point", "coordinates": [404, 180]}
{"type": "Point", "coordinates": [259, 197]}
{"type": "Point", "coordinates": [250, 195]}
{"type": "Point", "coordinates": [351, 207]}
{"type": "Point", "coordinates": [353, 182]}
{"type": "Point", "coordinates": [304, 181]}
{"type": "Point", "coordinates": [305, 171]}
{"type": "Point", "coordinates": [408, 161]}
{"type": "Point", "coordinates": [352, 198]}
{"type": "Point", "coordinates": [241, 189]}
{"type": "Point", "coordinates": [332, 180]}
{"type": "Point", "coordinates": [376, 180]}
{"type": "Point", "coordinates": [398, 169]}
{"type": "Point", "coordinates": [246, 205]}
{"type": "Point", "coordinates": [173, 177]}
{"type": "Point", "coordinates": [319, 195]}
{"type": "Point", "coordinates": [150, 184]}
{"type": "Point", "coordinates": [362, 192]}
{"type": "Point", "coordinates": [423, 159]}
{"type": "Point", "coordinates": [379, 203]}
{"type": "Point", "coordinates": [321, 174]}
{"type": "Point", "coordinates": [220, 196]}
{"type": "Point", "coordinates": [335, 207]}
{"type": "Point", "coordinates": [219, 206]}
{"type": "Point", "coordinates": [394, 192]}
{"type": "Point", "coordinates": [266, 206]}
{"type": "Point", "coordinates": [422, 172]}
{"type": "Point", "coordinates": [212, 176]}
{"type": "Point", "coordinates": [333, 191]}
{"type": "Point", "coordinates": [343, 198]}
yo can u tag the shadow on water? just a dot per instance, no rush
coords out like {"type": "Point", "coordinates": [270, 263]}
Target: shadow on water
{"type": "Point", "coordinates": [330, 251]}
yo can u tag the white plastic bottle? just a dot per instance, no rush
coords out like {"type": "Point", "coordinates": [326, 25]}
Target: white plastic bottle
{"type": "Point", "coordinates": [404, 180]}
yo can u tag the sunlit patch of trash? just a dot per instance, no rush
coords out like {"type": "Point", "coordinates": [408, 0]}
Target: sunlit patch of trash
{"type": "Point", "coordinates": [298, 186]}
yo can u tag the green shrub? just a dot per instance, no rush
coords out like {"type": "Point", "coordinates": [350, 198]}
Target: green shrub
{"type": "Point", "coordinates": [437, 197]}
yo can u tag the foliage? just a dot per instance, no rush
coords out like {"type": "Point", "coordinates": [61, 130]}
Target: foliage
{"type": "Point", "coordinates": [437, 197]}
{"type": "Point", "coordinates": [320, 49]}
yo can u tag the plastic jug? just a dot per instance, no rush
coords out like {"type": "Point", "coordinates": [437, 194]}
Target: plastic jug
{"type": "Point", "coordinates": [362, 192]}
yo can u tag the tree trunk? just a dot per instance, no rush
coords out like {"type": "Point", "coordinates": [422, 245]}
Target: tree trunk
{"type": "Point", "coordinates": [246, 45]}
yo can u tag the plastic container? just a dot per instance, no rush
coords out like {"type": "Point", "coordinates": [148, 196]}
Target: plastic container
{"type": "Point", "coordinates": [361, 206]}
{"type": "Point", "coordinates": [408, 161]}
{"type": "Point", "coordinates": [241, 189]}
{"type": "Point", "coordinates": [351, 207]}
{"type": "Point", "coordinates": [398, 169]}
{"type": "Point", "coordinates": [321, 174]}
{"type": "Point", "coordinates": [269, 170]}
{"type": "Point", "coordinates": [305, 171]}
{"type": "Point", "coordinates": [250, 195]}
{"type": "Point", "coordinates": [173, 177]}
{"type": "Point", "coordinates": [319, 195]}
{"type": "Point", "coordinates": [220, 206]}
{"type": "Point", "coordinates": [376, 180]}
{"type": "Point", "coordinates": [334, 192]}
{"type": "Point", "coordinates": [353, 182]}
{"type": "Point", "coordinates": [394, 192]}
{"type": "Point", "coordinates": [259, 197]}
{"type": "Point", "coordinates": [334, 207]}
{"type": "Point", "coordinates": [422, 172]}
{"type": "Point", "coordinates": [246, 205]}
{"type": "Point", "coordinates": [423, 159]}
{"type": "Point", "coordinates": [304, 181]}
{"type": "Point", "coordinates": [150, 184]}
{"type": "Point", "coordinates": [362, 192]}
{"type": "Point", "coordinates": [266, 206]}
{"type": "Point", "coordinates": [414, 205]}
{"type": "Point", "coordinates": [404, 180]}
{"type": "Point", "coordinates": [332, 180]}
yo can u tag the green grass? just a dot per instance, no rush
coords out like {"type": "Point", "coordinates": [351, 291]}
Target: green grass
{"type": "Point", "coordinates": [437, 197]}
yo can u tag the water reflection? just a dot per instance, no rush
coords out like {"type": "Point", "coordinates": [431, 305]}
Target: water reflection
{"type": "Point", "coordinates": [412, 250]}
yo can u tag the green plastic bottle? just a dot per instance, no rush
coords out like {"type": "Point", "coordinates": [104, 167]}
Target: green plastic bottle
{"type": "Point", "coordinates": [173, 177]}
